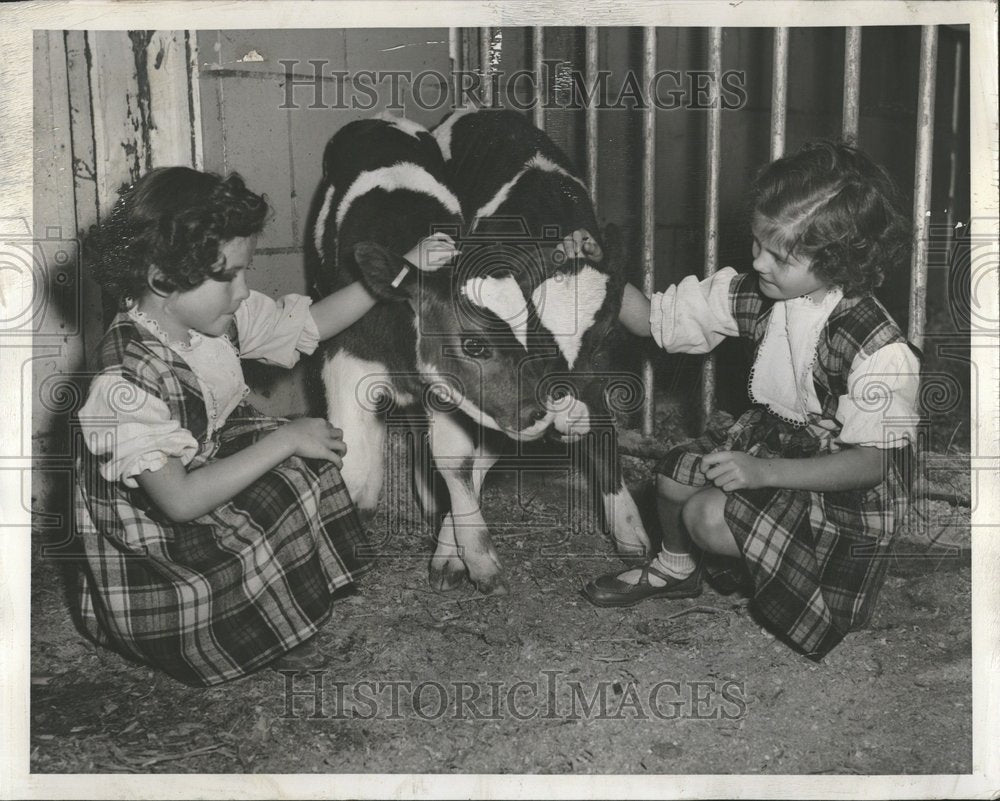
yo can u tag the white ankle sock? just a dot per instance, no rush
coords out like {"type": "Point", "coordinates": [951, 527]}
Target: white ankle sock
{"type": "Point", "coordinates": [678, 565]}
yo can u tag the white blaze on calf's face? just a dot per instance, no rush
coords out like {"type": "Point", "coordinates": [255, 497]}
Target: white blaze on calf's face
{"type": "Point", "coordinates": [570, 417]}
{"type": "Point", "coordinates": [567, 305]}
{"type": "Point", "coordinates": [504, 298]}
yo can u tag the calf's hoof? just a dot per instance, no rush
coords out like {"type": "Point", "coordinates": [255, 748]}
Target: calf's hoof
{"type": "Point", "coordinates": [492, 585]}
{"type": "Point", "coordinates": [445, 576]}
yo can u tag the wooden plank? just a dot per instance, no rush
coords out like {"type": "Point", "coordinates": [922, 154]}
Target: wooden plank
{"type": "Point", "coordinates": [194, 100]}
{"type": "Point", "coordinates": [54, 252]}
{"type": "Point", "coordinates": [212, 101]}
{"type": "Point", "coordinates": [77, 48]}
{"type": "Point", "coordinates": [170, 123]}
{"type": "Point", "coordinates": [58, 345]}
{"type": "Point", "coordinates": [119, 111]}
{"type": "Point", "coordinates": [87, 200]}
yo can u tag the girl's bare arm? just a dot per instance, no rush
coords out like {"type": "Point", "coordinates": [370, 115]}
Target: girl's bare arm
{"type": "Point", "coordinates": [854, 468]}
{"type": "Point", "coordinates": [183, 495]}
{"type": "Point", "coordinates": [341, 309]}
{"type": "Point", "coordinates": [634, 314]}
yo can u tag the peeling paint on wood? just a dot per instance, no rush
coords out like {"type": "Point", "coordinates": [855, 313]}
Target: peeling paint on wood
{"type": "Point", "coordinates": [170, 104]}
{"type": "Point", "coordinates": [120, 150]}
{"type": "Point", "coordinates": [194, 100]}
{"type": "Point", "coordinates": [141, 122]}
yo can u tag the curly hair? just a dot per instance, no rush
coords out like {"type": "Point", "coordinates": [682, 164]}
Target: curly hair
{"type": "Point", "coordinates": [175, 218]}
{"type": "Point", "coordinates": [831, 204]}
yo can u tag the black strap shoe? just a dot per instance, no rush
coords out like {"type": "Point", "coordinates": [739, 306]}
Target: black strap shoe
{"type": "Point", "coordinates": [609, 590]}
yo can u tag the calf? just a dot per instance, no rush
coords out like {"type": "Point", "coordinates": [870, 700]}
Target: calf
{"type": "Point", "coordinates": [475, 348]}
{"type": "Point", "coordinates": [509, 174]}
{"type": "Point", "coordinates": [453, 353]}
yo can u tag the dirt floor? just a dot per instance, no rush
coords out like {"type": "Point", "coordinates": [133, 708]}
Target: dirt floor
{"type": "Point", "coordinates": [540, 681]}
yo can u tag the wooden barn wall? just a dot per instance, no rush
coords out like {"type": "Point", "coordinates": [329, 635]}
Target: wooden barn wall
{"type": "Point", "coordinates": [279, 150]}
{"type": "Point", "coordinates": [108, 106]}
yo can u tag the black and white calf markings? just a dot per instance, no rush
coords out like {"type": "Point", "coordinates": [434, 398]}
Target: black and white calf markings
{"type": "Point", "coordinates": [508, 336]}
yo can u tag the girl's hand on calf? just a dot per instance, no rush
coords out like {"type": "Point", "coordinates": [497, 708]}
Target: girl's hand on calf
{"type": "Point", "coordinates": [733, 470]}
{"type": "Point", "coordinates": [433, 252]}
{"type": "Point", "coordinates": [579, 245]}
{"type": "Point", "coordinates": [315, 438]}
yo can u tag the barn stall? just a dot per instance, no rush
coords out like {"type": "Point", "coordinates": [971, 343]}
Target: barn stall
{"type": "Point", "coordinates": [111, 104]}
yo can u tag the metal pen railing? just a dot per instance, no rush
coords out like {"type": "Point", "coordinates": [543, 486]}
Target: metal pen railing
{"type": "Point", "coordinates": [713, 157]}
{"type": "Point", "coordinates": [922, 183]}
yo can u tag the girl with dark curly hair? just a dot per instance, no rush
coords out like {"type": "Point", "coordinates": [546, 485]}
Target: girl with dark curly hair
{"type": "Point", "coordinates": [803, 493]}
{"type": "Point", "coordinates": [215, 538]}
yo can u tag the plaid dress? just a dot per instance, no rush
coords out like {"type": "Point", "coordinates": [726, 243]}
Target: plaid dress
{"type": "Point", "coordinates": [816, 559]}
{"type": "Point", "coordinates": [217, 597]}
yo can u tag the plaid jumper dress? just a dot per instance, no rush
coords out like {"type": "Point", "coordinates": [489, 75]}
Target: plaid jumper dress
{"type": "Point", "coordinates": [217, 597]}
{"type": "Point", "coordinates": [816, 559]}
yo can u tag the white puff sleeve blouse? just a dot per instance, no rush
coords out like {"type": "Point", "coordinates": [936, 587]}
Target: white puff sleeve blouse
{"type": "Point", "coordinates": [881, 406]}
{"type": "Point", "coordinates": [134, 429]}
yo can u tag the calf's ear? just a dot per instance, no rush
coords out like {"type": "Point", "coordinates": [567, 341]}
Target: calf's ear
{"type": "Point", "coordinates": [387, 275]}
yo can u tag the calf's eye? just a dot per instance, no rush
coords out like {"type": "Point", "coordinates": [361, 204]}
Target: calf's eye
{"type": "Point", "coordinates": [475, 347]}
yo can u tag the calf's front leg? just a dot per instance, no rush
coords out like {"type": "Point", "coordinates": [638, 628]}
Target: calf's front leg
{"type": "Point", "coordinates": [464, 539]}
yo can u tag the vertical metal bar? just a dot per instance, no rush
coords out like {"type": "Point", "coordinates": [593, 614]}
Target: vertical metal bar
{"type": "Point", "coordinates": [648, 216]}
{"type": "Point", "coordinates": [852, 84]}
{"type": "Point", "coordinates": [956, 97]}
{"type": "Point", "coordinates": [537, 54]}
{"type": "Point", "coordinates": [922, 182]}
{"type": "Point", "coordinates": [458, 55]}
{"type": "Point", "coordinates": [486, 64]}
{"type": "Point", "coordinates": [467, 51]}
{"type": "Point", "coordinates": [713, 156]}
{"type": "Point", "coordinates": [590, 68]}
{"type": "Point", "coordinates": [454, 56]}
{"type": "Point", "coordinates": [779, 92]}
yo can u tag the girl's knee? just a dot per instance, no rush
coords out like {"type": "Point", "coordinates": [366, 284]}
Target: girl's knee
{"type": "Point", "coordinates": [704, 517]}
{"type": "Point", "coordinates": [673, 491]}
